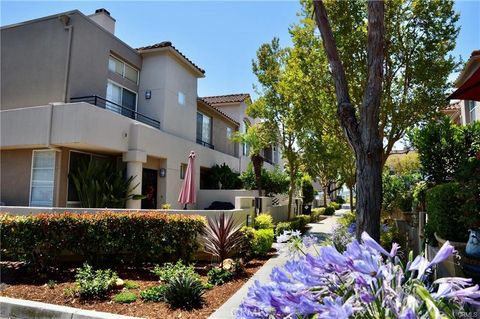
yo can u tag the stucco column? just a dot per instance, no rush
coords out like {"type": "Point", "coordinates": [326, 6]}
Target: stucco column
{"type": "Point", "coordinates": [135, 160]}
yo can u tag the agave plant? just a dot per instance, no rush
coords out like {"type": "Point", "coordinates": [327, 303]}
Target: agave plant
{"type": "Point", "coordinates": [222, 236]}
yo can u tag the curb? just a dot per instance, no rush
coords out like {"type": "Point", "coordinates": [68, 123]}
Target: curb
{"type": "Point", "coordinates": [25, 309]}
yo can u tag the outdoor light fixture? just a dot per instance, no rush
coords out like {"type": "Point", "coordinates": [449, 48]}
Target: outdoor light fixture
{"type": "Point", "coordinates": [162, 172]}
{"type": "Point", "coordinates": [148, 94]}
{"type": "Point", "coordinates": [249, 220]}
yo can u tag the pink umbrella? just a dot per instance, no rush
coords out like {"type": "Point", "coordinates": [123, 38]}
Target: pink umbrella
{"type": "Point", "coordinates": [187, 193]}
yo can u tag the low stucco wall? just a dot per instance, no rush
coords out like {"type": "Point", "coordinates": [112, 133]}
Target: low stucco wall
{"type": "Point", "coordinates": [206, 196]}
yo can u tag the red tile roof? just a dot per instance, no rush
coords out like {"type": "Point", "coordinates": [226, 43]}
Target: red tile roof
{"type": "Point", "coordinates": [218, 111]}
{"type": "Point", "coordinates": [166, 44]}
{"type": "Point", "coordinates": [223, 99]}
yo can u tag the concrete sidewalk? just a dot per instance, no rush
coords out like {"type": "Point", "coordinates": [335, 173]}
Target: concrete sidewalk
{"type": "Point", "coordinates": [321, 230]}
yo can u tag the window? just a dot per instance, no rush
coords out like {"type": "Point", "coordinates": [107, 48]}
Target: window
{"type": "Point", "coordinates": [229, 133]}
{"type": "Point", "coordinates": [204, 129]}
{"type": "Point", "coordinates": [42, 178]}
{"type": "Point", "coordinates": [245, 146]}
{"type": "Point", "coordinates": [123, 69]}
{"type": "Point", "coordinates": [121, 97]}
{"type": "Point", "coordinates": [472, 111]}
{"type": "Point", "coordinates": [275, 154]}
{"type": "Point", "coordinates": [181, 98]}
{"type": "Point", "coordinates": [183, 170]}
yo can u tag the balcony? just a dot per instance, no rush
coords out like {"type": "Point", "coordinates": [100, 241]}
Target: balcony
{"type": "Point", "coordinates": [117, 108]}
{"type": "Point", "coordinates": [206, 144]}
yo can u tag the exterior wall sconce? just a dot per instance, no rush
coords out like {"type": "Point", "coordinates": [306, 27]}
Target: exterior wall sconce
{"type": "Point", "coordinates": [162, 172]}
{"type": "Point", "coordinates": [148, 94]}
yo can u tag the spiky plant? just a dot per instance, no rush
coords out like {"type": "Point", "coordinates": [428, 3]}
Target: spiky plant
{"type": "Point", "coordinates": [184, 291]}
{"type": "Point", "coordinates": [222, 236]}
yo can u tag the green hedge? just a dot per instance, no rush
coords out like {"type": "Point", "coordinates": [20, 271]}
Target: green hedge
{"type": "Point", "coordinates": [445, 213]}
{"type": "Point", "coordinates": [329, 211]}
{"type": "Point", "coordinates": [102, 238]}
{"type": "Point", "coordinates": [316, 214]}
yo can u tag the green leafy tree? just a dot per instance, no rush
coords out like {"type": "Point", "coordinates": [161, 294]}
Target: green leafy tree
{"type": "Point", "coordinates": [257, 137]}
{"type": "Point", "coordinates": [397, 80]}
{"type": "Point", "coordinates": [275, 106]}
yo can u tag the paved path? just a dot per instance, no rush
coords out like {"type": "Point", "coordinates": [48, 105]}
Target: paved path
{"type": "Point", "coordinates": [227, 310]}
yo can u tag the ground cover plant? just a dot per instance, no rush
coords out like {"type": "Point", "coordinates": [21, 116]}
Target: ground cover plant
{"type": "Point", "coordinates": [365, 281]}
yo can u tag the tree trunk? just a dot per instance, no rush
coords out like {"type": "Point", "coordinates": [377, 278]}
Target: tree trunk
{"type": "Point", "coordinates": [351, 198]}
{"type": "Point", "coordinates": [290, 194]}
{"type": "Point", "coordinates": [257, 162]}
{"type": "Point", "coordinates": [362, 132]}
{"type": "Point", "coordinates": [369, 193]}
{"type": "Point", "coordinates": [325, 191]}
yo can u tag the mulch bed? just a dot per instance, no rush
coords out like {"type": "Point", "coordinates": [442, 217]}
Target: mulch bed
{"type": "Point", "coordinates": [16, 283]}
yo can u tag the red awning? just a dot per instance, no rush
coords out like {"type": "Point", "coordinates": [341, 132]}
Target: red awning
{"type": "Point", "coordinates": [470, 89]}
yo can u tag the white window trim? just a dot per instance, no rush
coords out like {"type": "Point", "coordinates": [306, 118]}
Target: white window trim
{"type": "Point", "coordinates": [472, 110]}
{"type": "Point", "coordinates": [54, 174]}
{"type": "Point", "coordinates": [184, 98]}
{"type": "Point", "coordinates": [123, 69]}
{"type": "Point", "coordinates": [211, 128]}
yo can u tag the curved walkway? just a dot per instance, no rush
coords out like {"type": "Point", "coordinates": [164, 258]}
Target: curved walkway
{"type": "Point", "coordinates": [321, 230]}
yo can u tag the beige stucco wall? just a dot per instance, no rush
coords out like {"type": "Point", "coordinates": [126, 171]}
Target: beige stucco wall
{"type": "Point", "coordinates": [164, 76]}
{"type": "Point", "coordinates": [15, 168]}
{"type": "Point", "coordinates": [34, 61]}
{"type": "Point", "coordinates": [85, 127]}
{"type": "Point", "coordinates": [219, 131]}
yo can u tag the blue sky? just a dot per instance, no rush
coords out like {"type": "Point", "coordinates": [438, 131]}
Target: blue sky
{"type": "Point", "coordinates": [221, 37]}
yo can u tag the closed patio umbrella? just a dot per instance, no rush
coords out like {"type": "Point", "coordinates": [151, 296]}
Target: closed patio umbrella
{"type": "Point", "coordinates": [187, 193]}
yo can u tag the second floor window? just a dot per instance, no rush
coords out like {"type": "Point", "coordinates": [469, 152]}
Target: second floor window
{"type": "Point", "coordinates": [123, 69]}
{"type": "Point", "coordinates": [472, 111]}
{"type": "Point", "coordinates": [204, 128]}
{"type": "Point", "coordinates": [229, 133]}
{"type": "Point", "coordinates": [124, 101]}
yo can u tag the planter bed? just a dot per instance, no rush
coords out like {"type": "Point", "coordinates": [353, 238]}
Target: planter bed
{"type": "Point", "coordinates": [17, 284]}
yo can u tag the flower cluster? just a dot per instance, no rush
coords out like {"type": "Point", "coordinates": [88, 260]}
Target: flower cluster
{"type": "Point", "coordinates": [365, 281]}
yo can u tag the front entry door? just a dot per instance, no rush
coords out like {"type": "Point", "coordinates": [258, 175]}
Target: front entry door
{"type": "Point", "coordinates": [149, 188]}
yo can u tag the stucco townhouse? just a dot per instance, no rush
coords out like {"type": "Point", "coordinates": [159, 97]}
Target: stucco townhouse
{"type": "Point", "coordinates": [466, 108]}
{"type": "Point", "coordinates": [71, 90]}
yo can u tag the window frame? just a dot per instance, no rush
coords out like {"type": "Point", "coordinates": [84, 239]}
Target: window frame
{"type": "Point", "coordinates": [211, 128]}
{"type": "Point", "coordinates": [121, 95]}
{"type": "Point", "coordinates": [183, 170]}
{"type": "Point", "coordinates": [124, 64]}
{"type": "Point", "coordinates": [54, 175]}
{"type": "Point", "coordinates": [184, 98]}
{"type": "Point", "coordinates": [472, 111]}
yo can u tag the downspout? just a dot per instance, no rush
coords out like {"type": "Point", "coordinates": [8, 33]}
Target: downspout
{"type": "Point", "coordinates": [66, 20]}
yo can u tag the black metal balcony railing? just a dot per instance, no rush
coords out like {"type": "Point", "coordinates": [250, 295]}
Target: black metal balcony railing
{"type": "Point", "coordinates": [206, 144]}
{"type": "Point", "coordinates": [117, 108]}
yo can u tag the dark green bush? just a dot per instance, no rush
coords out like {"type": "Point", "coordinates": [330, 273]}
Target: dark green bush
{"type": "Point", "coordinates": [303, 220]}
{"type": "Point", "coordinates": [125, 297]}
{"type": "Point", "coordinates": [340, 200]}
{"type": "Point", "coordinates": [184, 291]}
{"type": "Point", "coordinates": [329, 211]}
{"type": "Point", "coordinates": [104, 238]}
{"type": "Point", "coordinates": [335, 205]}
{"type": "Point", "coordinates": [264, 221]}
{"type": "Point", "coordinates": [222, 177]}
{"type": "Point", "coordinates": [445, 214]}
{"type": "Point", "coordinates": [281, 227]}
{"type": "Point", "coordinates": [94, 283]}
{"type": "Point", "coordinates": [245, 249]}
{"type": "Point", "coordinates": [262, 242]}
{"type": "Point", "coordinates": [153, 294]}
{"type": "Point", "coordinates": [219, 276]}
{"type": "Point", "coordinates": [307, 190]}
{"type": "Point", "coordinates": [273, 182]}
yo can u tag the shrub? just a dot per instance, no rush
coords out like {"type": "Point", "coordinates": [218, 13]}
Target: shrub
{"type": "Point", "coordinates": [102, 238]}
{"type": "Point", "coordinates": [282, 227]}
{"type": "Point", "coordinates": [302, 220]}
{"type": "Point", "coordinates": [335, 205]}
{"type": "Point", "coordinates": [263, 221]}
{"type": "Point", "coordinates": [219, 276]}
{"type": "Point", "coordinates": [94, 284]}
{"type": "Point", "coordinates": [222, 236]}
{"type": "Point", "coordinates": [316, 214]}
{"type": "Point", "coordinates": [340, 200]}
{"type": "Point", "coordinates": [245, 250]}
{"type": "Point", "coordinates": [184, 291]}
{"type": "Point", "coordinates": [166, 206]}
{"type": "Point", "coordinates": [329, 211]}
{"type": "Point", "coordinates": [273, 182]}
{"type": "Point", "coordinates": [125, 297]}
{"type": "Point", "coordinates": [222, 176]}
{"type": "Point", "coordinates": [262, 242]}
{"type": "Point", "coordinates": [153, 294]}
{"type": "Point", "coordinates": [445, 216]}
{"type": "Point", "coordinates": [307, 190]}
{"type": "Point", "coordinates": [131, 285]}
{"type": "Point", "coordinates": [170, 271]}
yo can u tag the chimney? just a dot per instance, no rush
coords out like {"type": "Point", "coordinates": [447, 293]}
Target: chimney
{"type": "Point", "coordinates": [102, 18]}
